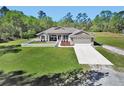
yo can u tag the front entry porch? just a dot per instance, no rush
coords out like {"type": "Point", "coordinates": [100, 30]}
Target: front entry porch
{"type": "Point", "coordinates": [62, 40]}
{"type": "Point", "coordinates": [58, 38]}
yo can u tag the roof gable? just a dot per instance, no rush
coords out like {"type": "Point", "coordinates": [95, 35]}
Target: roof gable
{"type": "Point", "coordinates": [55, 30]}
{"type": "Point", "coordinates": [80, 34]}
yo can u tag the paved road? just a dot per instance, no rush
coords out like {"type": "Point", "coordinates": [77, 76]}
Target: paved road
{"type": "Point", "coordinates": [114, 49]}
{"type": "Point", "coordinates": [86, 54]}
{"type": "Point", "coordinates": [114, 78]}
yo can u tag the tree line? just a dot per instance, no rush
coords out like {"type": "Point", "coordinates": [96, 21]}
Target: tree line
{"type": "Point", "coordinates": [15, 24]}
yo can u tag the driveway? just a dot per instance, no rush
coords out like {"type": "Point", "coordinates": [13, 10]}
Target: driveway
{"type": "Point", "coordinates": [86, 54]}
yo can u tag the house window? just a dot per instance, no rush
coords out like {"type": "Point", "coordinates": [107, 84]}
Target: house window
{"type": "Point", "coordinates": [53, 38]}
{"type": "Point", "coordinates": [42, 38]}
{"type": "Point", "coordinates": [65, 37]}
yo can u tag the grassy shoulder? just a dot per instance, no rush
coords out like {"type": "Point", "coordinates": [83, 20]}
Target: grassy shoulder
{"type": "Point", "coordinates": [40, 61]}
{"type": "Point", "coordinates": [16, 42]}
{"type": "Point", "coordinates": [116, 59]}
{"type": "Point", "coordinates": [42, 42]}
{"type": "Point", "coordinates": [113, 39]}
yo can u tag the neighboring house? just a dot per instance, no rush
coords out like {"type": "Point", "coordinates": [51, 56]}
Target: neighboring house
{"type": "Point", "coordinates": [63, 34]}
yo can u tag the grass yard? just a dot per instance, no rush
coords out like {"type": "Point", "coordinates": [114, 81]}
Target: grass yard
{"type": "Point", "coordinates": [108, 38]}
{"type": "Point", "coordinates": [16, 42]}
{"type": "Point", "coordinates": [116, 59]}
{"type": "Point", "coordinates": [42, 42]}
{"type": "Point", "coordinates": [39, 60]}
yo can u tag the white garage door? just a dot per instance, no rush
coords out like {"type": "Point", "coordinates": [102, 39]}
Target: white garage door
{"type": "Point", "coordinates": [81, 41]}
{"type": "Point", "coordinates": [86, 54]}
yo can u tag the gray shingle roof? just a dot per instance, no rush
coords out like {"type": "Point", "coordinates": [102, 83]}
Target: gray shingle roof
{"type": "Point", "coordinates": [74, 33]}
{"type": "Point", "coordinates": [81, 35]}
{"type": "Point", "coordinates": [56, 30]}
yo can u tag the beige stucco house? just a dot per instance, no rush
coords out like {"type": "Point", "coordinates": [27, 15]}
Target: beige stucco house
{"type": "Point", "coordinates": [69, 34]}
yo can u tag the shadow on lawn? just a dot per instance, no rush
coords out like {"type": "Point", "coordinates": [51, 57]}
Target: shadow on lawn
{"type": "Point", "coordinates": [74, 78]}
{"type": "Point", "coordinates": [9, 49]}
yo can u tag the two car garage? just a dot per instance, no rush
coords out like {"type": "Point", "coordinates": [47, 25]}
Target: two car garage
{"type": "Point", "coordinates": [82, 38]}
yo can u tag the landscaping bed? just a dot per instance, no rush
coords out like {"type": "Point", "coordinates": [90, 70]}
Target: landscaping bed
{"type": "Point", "coordinates": [71, 78]}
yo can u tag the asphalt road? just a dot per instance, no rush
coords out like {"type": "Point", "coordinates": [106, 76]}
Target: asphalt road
{"type": "Point", "coordinates": [114, 78]}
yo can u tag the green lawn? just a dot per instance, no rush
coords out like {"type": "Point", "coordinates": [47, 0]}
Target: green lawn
{"type": "Point", "coordinates": [40, 60]}
{"type": "Point", "coordinates": [43, 42]}
{"type": "Point", "coordinates": [116, 59]}
{"type": "Point", "coordinates": [108, 38]}
{"type": "Point", "coordinates": [16, 42]}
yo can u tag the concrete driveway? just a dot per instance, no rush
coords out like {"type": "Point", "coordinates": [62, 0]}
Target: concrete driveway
{"type": "Point", "coordinates": [86, 54]}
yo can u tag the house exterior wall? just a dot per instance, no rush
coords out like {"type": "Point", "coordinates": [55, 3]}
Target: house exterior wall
{"type": "Point", "coordinates": [81, 41]}
{"type": "Point", "coordinates": [59, 36]}
{"type": "Point", "coordinates": [75, 40]}
{"type": "Point", "coordinates": [79, 38]}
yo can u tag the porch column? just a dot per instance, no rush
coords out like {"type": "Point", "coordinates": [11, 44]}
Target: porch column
{"type": "Point", "coordinates": [69, 38]}
{"type": "Point", "coordinates": [61, 37]}
{"type": "Point", "coordinates": [45, 37]}
{"type": "Point", "coordinates": [48, 38]}
{"type": "Point", "coordinates": [57, 37]}
{"type": "Point", "coordinates": [40, 38]}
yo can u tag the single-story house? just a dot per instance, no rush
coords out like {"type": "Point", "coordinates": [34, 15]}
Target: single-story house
{"type": "Point", "coordinates": [69, 34]}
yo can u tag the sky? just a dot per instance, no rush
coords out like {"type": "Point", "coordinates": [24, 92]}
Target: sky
{"type": "Point", "coordinates": [57, 12]}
